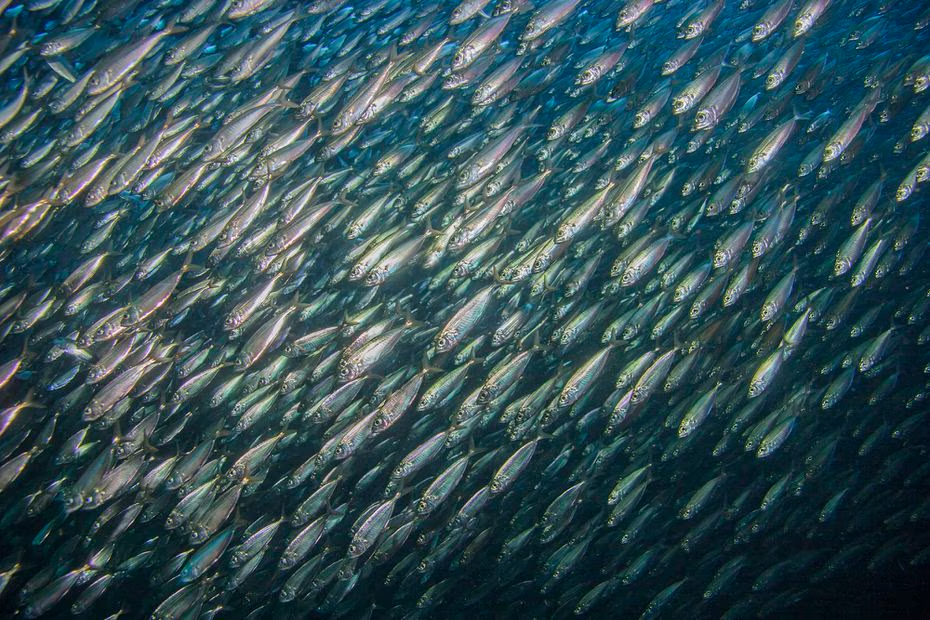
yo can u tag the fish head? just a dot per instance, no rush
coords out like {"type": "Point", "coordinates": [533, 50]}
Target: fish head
{"type": "Point", "coordinates": [922, 172]}
{"type": "Point", "coordinates": [686, 427]}
{"type": "Point", "coordinates": [73, 501]}
{"type": "Point", "coordinates": [567, 396]}
{"type": "Point", "coordinates": [401, 471]}
{"type": "Point", "coordinates": [198, 534]}
{"type": "Point", "coordinates": [904, 191]}
{"type": "Point", "coordinates": [565, 232]}
{"type": "Point", "coordinates": [174, 55]}
{"type": "Point", "coordinates": [380, 423]}
{"type": "Point", "coordinates": [694, 30]}
{"type": "Point", "coordinates": [95, 195]}
{"type": "Point", "coordinates": [694, 145]}
{"type": "Point", "coordinates": [588, 76]}
{"type": "Point", "coordinates": [803, 23]}
{"type": "Point", "coordinates": [626, 17]}
{"type": "Point", "coordinates": [211, 147]}
{"type": "Point", "coordinates": [238, 9]}
{"type": "Point", "coordinates": [628, 277]}
{"type": "Point", "coordinates": [704, 119]}
{"type": "Point", "coordinates": [96, 80]}
{"type": "Point", "coordinates": [761, 31]}
{"type": "Point", "coordinates": [453, 80]}
{"type": "Point", "coordinates": [465, 177]}
{"type": "Point", "coordinates": [358, 271]}
{"type": "Point", "coordinates": [74, 136]}
{"type": "Point", "coordinates": [556, 131]}
{"type": "Point", "coordinates": [425, 504]}
{"type": "Point", "coordinates": [51, 48]}
{"type": "Point", "coordinates": [376, 276]}
{"type": "Point", "coordinates": [534, 28]}
{"type": "Point", "coordinates": [464, 55]}
{"type": "Point", "coordinates": [482, 94]}
{"type": "Point", "coordinates": [756, 387]}
{"type": "Point", "coordinates": [445, 341]}
{"type": "Point", "coordinates": [682, 103]}
{"type": "Point", "coordinates": [461, 269]}
{"type": "Point", "coordinates": [348, 370]}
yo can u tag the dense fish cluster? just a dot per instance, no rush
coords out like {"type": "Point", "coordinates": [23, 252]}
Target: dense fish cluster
{"type": "Point", "coordinates": [518, 308]}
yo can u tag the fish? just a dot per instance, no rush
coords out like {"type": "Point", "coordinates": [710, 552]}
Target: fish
{"type": "Point", "coordinates": [496, 308]}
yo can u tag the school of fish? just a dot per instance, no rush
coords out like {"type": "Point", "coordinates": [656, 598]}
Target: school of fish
{"type": "Point", "coordinates": [501, 308]}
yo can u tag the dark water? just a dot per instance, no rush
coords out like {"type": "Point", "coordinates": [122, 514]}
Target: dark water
{"type": "Point", "coordinates": [497, 309]}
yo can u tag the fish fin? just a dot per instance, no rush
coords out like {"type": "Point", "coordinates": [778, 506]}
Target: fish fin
{"type": "Point", "coordinates": [23, 353]}
{"type": "Point", "coordinates": [186, 265]}
{"type": "Point", "coordinates": [426, 367]}
{"type": "Point", "coordinates": [345, 319]}
{"type": "Point", "coordinates": [342, 199]}
{"type": "Point", "coordinates": [320, 130]}
{"type": "Point", "coordinates": [29, 403]}
{"type": "Point", "coordinates": [328, 508]}
{"type": "Point", "coordinates": [147, 446]}
{"type": "Point", "coordinates": [536, 344]}
{"type": "Point", "coordinates": [798, 116]}
{"type": "Point", "coordinates": [287, 103]}
{"type": "Point", "coordinates": [670, 232]}
{"type": "Point", "coordinates": [404, 489]}
{"type": "Point", "coordinates": [409, 321]}
{"type": "Point", "coordinates": [59, 67]}
{"type": "Point", "coordinates": [172, 27]}
{"type": "Point", "coordinates": [238, 520]}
